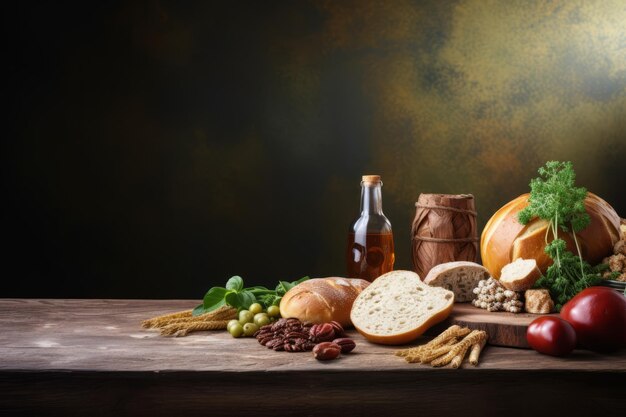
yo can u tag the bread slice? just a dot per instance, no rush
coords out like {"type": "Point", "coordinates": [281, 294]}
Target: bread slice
{"type": "Point", "coordinates": [398, 307]}
{"type": "Point", "coordinates": [459, 277]}
{"type": "Point", "coordinates": [520, 274]}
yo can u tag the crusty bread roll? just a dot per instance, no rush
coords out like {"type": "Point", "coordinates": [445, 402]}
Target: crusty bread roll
{"type": "Point", "coordinates": [460, 277]}
{"type": "Point", "coordinates": [505, 239]}
{"type": "Point", "coordinates": [321, 300]}
{"type": "Point", "coordinates": [520, 275]}
{"type": "Point", "coordinates": [398, 307]}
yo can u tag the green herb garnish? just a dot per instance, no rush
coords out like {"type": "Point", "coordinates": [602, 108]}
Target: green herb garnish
{"type": "Point", "coordinates": [555, 198]}
{"type": "Point", "coordinates": [566, 281]}
{"type": "Point", "coordinates": [235, 295]}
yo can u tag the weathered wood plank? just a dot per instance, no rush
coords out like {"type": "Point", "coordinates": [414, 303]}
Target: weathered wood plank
{"type": "Point", "coordinates": [77, 357]}
{"type": "Point", "coordinates": [105, 335]}
{"type": "Point", "coordinates": [504, 329]}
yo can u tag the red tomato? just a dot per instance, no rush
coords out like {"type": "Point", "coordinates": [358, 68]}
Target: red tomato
{"type": "Point", "coordinates": [551, 336]}
{"type": "Point", "coordinates": [598, 315]}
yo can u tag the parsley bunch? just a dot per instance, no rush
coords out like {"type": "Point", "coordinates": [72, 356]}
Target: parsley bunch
{"type": "Point", "coordinates": [555, 198]}
{"type": "Point", "coordinates": [564, 281]}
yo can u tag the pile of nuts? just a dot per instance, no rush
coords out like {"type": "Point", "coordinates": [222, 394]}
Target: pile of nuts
{"type": "Point", "coordinates": [326, 340]}
{"type": "Point", "coordinates": [492, 296]}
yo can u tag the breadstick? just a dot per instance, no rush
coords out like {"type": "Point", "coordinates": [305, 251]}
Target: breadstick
{"type": "Point", "coordinates": [447, 349]}
{"type": "Point", "coordinates": [456, 361]}
{"type": "Point", "coordinates": [475, 353]}
{"type": "Point", "coordinates": [454, 356]}
{"type": "Point", "coordinates": [415, 351]}
{"type": "Point", "coordinates": [431, 354]}
{"type": "Point", "coordinates": [450, 333]}
{"type": "Point", "coordinates": [460, 349]}
{"type": "Point", "coordinates": [417, 354]}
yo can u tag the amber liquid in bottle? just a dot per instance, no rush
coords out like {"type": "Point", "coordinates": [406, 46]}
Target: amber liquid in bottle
{"type": "Point", "coordinates": [370, 251]}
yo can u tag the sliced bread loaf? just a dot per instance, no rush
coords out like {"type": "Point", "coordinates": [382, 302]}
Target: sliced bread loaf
{"type": "Point", "coordinates": [398, 307]}
{"type": "Point", "coordinates": [520, 274]}
{"type": "Point", "coordinates": [459, 277]}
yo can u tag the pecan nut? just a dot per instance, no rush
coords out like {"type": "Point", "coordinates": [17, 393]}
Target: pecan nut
{"type": "Point", "coordinates": [291, 348]}
{"type": "Point", "coordinates": [264, 340]}
{"type": "Point", "coordinates": [346, 344]}
{"type": "Point", "coordinates": [339, 331]}
{"type": "Point", "coordinates": [280, 324]}
{"type": "Point", "coordinates": [326, 351]}
{"type": "Point", "coordinates": [322, 332]}
{"type": "Point", "coordinates": [295, 333]}
{"type": "Point", "coordinates": [274, 342]}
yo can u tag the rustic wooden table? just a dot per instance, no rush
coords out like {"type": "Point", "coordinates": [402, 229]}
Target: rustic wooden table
{"type": "Point", "coordinates": [79, 357]}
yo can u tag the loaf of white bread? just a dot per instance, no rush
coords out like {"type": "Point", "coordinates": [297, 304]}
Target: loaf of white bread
{"type": "Point", "coordinates": [322, 300]}
{"type": "Point", "coordinates": [398, 307]}
{"type": "Point", "coordinates": [505, 239]}
{"type": "Point", "coordinates": [460, 277]}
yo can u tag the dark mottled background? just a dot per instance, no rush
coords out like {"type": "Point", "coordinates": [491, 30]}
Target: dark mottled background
{"type": "Point", "coordinates": [153, 149]}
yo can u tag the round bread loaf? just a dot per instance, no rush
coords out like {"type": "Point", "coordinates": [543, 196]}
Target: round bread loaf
{"type": "Point", "coordinates": [505, 239]}
{"type": "Point", "coordinates": [321, 300]}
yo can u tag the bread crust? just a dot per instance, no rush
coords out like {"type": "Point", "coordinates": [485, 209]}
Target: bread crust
{"type": "Point", "coordinates": [402, 338]}
{"type": "Point", "coordinates": [321, 300]}
{"type": "Point", "coordinates": [504, 239]}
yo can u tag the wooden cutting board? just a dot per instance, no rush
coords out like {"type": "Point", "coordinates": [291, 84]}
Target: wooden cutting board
{"type": "Point", "coordinates": [504, 329]}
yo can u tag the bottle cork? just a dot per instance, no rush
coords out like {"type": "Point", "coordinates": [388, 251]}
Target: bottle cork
{"type": "Point", "coordinates": [371, 178]}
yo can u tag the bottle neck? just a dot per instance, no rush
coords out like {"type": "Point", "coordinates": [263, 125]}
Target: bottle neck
{"type": "Point", "coordinates": [371, 199]}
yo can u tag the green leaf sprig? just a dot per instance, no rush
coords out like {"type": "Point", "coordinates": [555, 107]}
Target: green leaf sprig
{"type": "Point", "coordinates": [565, 282]}
{"type": "Point", "coordinates": [235, 295]}
{"type": "Point", "coordinates": [555, 198]}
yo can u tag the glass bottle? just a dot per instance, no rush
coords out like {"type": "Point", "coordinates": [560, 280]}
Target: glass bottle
{"type": "Point", "coordinates": [369, 251]}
